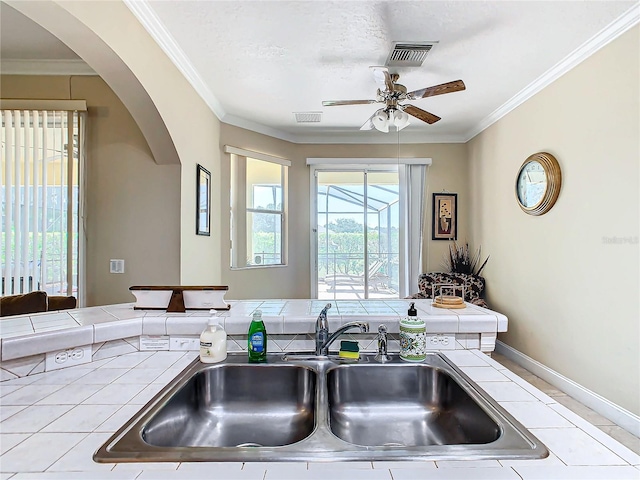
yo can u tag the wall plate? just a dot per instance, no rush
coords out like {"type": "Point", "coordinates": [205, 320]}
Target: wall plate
{"type": "Point", "coordinates": [67, 358]}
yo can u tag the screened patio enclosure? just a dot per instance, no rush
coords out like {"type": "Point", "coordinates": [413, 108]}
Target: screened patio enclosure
{"type": "Point", "coordinates": [357, 234]}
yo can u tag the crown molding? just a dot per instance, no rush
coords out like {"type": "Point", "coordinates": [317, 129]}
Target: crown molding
{"type": "Point", "coordinates": [612, 31]}
{"type": "Point", "coordinates": [45, 67]}
{"type": "Point", "coordinates": [152, 24]}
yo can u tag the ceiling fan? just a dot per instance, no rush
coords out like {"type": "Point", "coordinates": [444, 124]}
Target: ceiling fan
{"type": "Point", "coordinates": [391, 93]}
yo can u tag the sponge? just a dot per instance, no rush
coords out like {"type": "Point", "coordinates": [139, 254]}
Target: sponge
{"type": "Point", "coordinates": [349, 350]}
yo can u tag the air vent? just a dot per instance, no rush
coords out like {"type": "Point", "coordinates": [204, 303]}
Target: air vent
{"type": "Point", "coordinates": [406, 54]}
{"type": "Point", "coordinates": [308, 117]}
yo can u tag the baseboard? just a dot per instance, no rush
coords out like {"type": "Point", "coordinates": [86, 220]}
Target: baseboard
{"type": "Point", "coordinates": [618, 415]}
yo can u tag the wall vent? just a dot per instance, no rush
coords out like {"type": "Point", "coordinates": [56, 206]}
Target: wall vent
{"type": "Point", "coordinates": [408, 54]}
{"type": "Point", "coordinates": [308, 117]}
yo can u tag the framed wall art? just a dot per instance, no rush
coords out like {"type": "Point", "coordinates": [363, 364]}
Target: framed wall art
{"type": "Point", "coordinates": [203, 201]}
{"type": "Point", "coordinates": [445, 216]}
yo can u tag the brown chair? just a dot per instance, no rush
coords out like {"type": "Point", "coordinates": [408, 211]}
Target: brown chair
{"type": "Point", "coordinates": [61, 303]}
{"type": "Point", "coordinates": [32, 302]}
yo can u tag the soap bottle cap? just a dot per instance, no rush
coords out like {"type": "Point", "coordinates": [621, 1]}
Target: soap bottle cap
{"type": "Point", "coordinates": [257, 315]}
{"type": "Point", "coordinates": [412, 310]}
{"type": "Point", "coordinates": [214, 320]}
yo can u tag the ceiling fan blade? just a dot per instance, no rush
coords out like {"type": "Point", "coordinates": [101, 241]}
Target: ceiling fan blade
{"type": "Point", "coordinates": [333, 103]}
{"type": "Point", "coordinates": [383, 78]}
{"type": "Point", "coordinates": [421, 114]}
{"type": "Point", "coordinates": [450, 87]}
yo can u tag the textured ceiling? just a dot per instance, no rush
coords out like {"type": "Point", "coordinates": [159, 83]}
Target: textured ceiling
{"type": "Point", "coordinates": [264, 60]}
{"type": "Point", "coordinates": [257, 62]}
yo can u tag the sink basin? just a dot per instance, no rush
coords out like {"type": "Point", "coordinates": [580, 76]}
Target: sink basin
{"type": "Point", "coordinates": [404, 405]}
{"type": "Point", "coordinates": [307, 408]}
{"type": "Point", "coordinates": [237, 405]}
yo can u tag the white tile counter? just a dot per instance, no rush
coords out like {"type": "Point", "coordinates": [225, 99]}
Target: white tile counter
{"type": "Point", "coordinates": [30, 335]}
{"type": "Point", "coordinates": [51, 423]}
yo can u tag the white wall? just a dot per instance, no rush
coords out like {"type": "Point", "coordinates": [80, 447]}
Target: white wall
{"type": "Point", "coordinates": [571, 297]}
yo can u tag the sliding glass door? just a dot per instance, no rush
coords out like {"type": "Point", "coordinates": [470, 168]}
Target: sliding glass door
{"type": "Point", "coordinates": [357, 233]}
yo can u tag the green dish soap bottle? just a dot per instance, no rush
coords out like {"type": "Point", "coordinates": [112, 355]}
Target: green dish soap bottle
{"type": "Point", "coordinates": [257, 339]}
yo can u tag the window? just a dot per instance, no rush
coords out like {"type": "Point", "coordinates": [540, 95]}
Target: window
{"type": "Point", "coordinates": [41, 170]}
{"type": "Point", "coordinates": [258, 210]}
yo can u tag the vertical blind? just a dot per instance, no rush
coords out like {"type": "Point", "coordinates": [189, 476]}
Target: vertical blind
{"type": "Point", "coordinates": [41, 161]}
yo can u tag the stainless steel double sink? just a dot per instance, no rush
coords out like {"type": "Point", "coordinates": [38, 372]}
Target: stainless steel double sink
{"type": "Point", "coordinates": [306, 408]}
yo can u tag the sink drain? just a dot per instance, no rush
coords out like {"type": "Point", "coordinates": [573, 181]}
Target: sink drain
{"type": "Point", "coordinates": [249, 444]}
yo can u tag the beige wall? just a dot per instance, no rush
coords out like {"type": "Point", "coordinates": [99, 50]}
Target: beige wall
{"type": "Point", "coordinates": [449, 171]}
{"type": "Point", "coordinates": [130, 199]}
{"type": "Point", "coordinates": [571, 297]}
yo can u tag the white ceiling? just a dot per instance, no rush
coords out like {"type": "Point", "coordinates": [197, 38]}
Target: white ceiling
{"type": "Point", "coordinates": [257, 62]}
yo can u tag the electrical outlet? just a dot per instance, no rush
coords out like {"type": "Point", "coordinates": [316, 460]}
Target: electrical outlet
{"type": "Point", "coordinates": [67, 358]}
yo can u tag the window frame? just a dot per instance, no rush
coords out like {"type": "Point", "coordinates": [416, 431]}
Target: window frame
{"type": "Point", "coordinates": [239, 209]}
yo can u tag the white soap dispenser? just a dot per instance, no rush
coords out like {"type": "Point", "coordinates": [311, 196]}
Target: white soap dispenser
{"type": "Point", "coordinates": [213, 342]}
{"type": "Point", "coordinates": [413, 337]}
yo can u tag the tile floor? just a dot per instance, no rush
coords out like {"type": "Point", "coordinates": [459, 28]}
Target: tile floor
{"type": "Point", "coordinates": [620, 434]}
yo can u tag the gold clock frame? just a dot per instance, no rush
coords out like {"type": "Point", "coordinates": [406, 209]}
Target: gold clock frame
{"type": "Point", "coordinates": [553, 176]}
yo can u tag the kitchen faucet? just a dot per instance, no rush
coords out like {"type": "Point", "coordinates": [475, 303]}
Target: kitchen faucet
{"type": "Point", "coordinates": [324, 339]}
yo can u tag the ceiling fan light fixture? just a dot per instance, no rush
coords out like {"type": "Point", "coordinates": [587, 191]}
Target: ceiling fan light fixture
{"type": "Point", "coordinates": [380, 121]}
{"type": "Point", "coordinates": [400, 119]}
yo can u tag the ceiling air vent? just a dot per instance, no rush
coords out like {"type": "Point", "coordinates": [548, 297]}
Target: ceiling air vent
{"type": "Point", "coordinates": [409, 54]}
{"type": "Point", "coordinates": [308, 117]}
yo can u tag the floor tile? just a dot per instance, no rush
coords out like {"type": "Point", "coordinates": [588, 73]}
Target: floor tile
{"type": "Point", "coordinates": [49, 447]}
{"type": "Point", "coordinates": [545, 387]}
{"type": "Point", "coordinates": [574, 447]}
{"type": "Point", "coordinates": [623, 436]}
{"type": "Point", "coordinates": [33, 418]}
{"type": "Point", "coordinates": [580, 409]}
{"type": "Point", "coordinates": [82, 418]}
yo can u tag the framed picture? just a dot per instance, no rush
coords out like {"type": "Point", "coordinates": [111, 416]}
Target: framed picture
{"type": "Point", "coordinates": [445, 216]}
{"type": "Point", "coordinates": [203, 201]}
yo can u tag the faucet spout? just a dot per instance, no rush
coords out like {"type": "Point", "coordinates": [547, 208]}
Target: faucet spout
{"type": "Point", "coordinates": [322, 328]}
{"type": "Point", "coordinates": [322, 348]}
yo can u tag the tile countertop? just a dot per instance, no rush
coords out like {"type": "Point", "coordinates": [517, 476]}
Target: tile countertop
{"type": "Point", "coordinates": [51, 423]}
{"type": "Point", "coordinates": [84, 326]}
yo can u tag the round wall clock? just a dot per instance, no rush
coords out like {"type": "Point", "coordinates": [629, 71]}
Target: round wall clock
{"type": "Point", "coordinates": [538, 183]}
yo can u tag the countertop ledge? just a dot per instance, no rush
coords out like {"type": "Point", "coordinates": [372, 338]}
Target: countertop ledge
{"type": "Point", "coordinates": [28, 335]}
